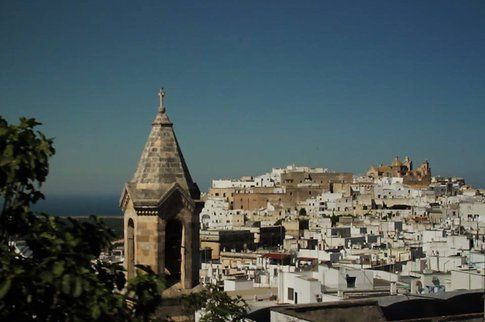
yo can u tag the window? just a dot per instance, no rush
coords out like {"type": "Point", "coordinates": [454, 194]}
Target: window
{"type": "Point", "coordinates": [290, 293]}
{"type": "Point", "coordinates": [350, 281]}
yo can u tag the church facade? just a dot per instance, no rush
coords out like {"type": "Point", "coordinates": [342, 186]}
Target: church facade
{"type": "Point", "coordinates": [161, 206]}
{"type": "Point", "coordinates": [420, 176]}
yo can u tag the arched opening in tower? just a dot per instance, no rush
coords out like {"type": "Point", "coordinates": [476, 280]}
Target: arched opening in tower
{"type": "Point", "coordinates": [173, 251]}
{"type": "Point", "coordinates": [130, 254]}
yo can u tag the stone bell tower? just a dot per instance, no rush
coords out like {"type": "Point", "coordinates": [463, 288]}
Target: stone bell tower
{"type": "Point", "coordinates": [161, 206]}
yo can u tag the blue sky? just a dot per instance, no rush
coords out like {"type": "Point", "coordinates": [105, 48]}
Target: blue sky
{"type": "Point", "coordinates": [250, 84]}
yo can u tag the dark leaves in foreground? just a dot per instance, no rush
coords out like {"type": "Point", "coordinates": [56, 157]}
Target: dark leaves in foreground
{"type": "Point", "coordinates": [216, 305]}
{"type": "Point", "coordinates": [48, 267]}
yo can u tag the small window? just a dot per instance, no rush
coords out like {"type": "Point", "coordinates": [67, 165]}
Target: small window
{"type": "Point", "coordinates": [290, 293]}
{"type": "Point", "coordinates": [350, 281]}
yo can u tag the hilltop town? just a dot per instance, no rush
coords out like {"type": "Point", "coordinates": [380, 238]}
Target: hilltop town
{"type": "Point", "coordinates": [307, 236]}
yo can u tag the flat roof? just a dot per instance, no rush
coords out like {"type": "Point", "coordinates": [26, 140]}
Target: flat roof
{"type": "Point", "coordinates": [348, 310]}
{"type": "Point", "coordinates": [307, 278]}
{"type": "Point", "coordinates": [391, 307]}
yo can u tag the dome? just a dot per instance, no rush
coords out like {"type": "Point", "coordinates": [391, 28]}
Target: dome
{"type": "Point", "coordinates": [396, 162]}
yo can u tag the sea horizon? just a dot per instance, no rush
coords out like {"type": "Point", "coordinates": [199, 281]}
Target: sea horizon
{"type": "Point", "coordinates": [79, 205]}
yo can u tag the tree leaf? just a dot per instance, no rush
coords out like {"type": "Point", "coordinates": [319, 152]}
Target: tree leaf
{"type": "Point", "coordinates": [78, 287]}
{"type": "Point", "coordinates": [66, 284]}
{"type": "Point", "coordinates": [58, 268]}
{"type": "Point", "coordinates": [5, 287]}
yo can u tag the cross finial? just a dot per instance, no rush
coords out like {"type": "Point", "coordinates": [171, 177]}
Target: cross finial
{"type": "Point", "coordinates": [161, 94]}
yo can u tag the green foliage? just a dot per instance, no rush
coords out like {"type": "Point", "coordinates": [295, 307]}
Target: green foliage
{"type": "Point", "coordinates": [59, 277]}
{"type": "Point", "coordinates": [24, 163]}
{"type": "Point", "coordinates": [145, 290]}
{"type": "Point", "coordinates": [302, 212]}
{"type": "Point", "coordinates": [217, 306]}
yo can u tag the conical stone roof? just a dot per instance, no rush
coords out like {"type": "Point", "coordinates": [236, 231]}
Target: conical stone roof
{"type": "Point", "coordinates": [161, 167]}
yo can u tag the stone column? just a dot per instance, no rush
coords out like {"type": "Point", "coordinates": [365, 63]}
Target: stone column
{"type": "Point", "coordinates": [129, 262]}
{"type": "Point", "coordinates": [146, 239]}
{"type": "Point", "coordinates": [190, 249]}
{"type": "Point", "coordinates": [186, 263]}
{"type": "Point", "coordinates": [161, 246]}
{"type": "Point", "coordinates": [195, 231]}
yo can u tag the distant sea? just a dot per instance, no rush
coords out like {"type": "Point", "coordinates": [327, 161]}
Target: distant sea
{"type": "Point", "coordinates": [104, 205]}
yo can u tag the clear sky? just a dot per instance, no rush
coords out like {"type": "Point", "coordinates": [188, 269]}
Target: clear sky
{"type": "Point", "coordinates": [250, 84]}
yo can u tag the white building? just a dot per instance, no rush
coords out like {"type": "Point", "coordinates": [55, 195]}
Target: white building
{"type": "Point", "coordinates": [227, 183]}
{"type": "Point", "coordinates": [237, 285]}
{"type": "Point", "coordinates": [473, 211]}
{"type": "Point", "coordinates": [467, 279]}
{"type": "Point", "coordinates": [216, 215]}
{"type": "Point", "coordinates": [298, 288]}
{"type": "Point", "coordinates": [345, 278]}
